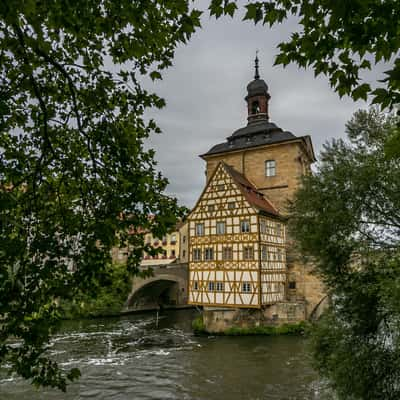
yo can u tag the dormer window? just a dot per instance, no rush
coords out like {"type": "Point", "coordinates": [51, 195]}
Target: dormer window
{"type": "Point", "coordinates": [270, 168]}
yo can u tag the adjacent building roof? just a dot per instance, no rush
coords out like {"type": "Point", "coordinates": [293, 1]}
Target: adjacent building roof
{"type": "Point", "coordinates": [249, 191]}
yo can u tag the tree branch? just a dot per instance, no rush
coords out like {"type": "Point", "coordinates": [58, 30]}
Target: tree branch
{"type": "Point", "coordinates": [36, 90]}
{"type": "Point", "coordinates": [73, 91]}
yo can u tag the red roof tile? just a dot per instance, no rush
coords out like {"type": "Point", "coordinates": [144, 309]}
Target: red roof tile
{"type": "Point", "coordinates": [249, 191]}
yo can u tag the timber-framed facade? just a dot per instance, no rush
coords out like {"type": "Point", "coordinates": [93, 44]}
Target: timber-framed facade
{"type": "Point", "coordinates": [236, 245]}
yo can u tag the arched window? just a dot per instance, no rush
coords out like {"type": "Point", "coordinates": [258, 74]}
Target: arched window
{"type": "Point", "coordinates": [255, 107]}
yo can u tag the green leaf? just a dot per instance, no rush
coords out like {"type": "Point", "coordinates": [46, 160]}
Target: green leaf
{"type": "Point", "coordinates": [155, 75]}
{"type": "Point", "coordinates": [254, 12]}
{"type": "Point", "coordinates": [361, 92]}
{"type": "Point", "coordinates": [230, 8]}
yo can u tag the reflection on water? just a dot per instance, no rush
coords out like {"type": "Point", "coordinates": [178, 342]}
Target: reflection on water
{"type": "Point", "coordinates": [131, 358]}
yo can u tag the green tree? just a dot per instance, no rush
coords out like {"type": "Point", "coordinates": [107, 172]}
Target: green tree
{"type": "Point", "coordinates": [108, 298]}
{"type": "Point", "coordinates": [75, 179]}
{"type": "Point", "coordinates": [346, 218]}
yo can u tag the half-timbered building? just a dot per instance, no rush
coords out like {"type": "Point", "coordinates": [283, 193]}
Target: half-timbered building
{"type": "Point", "coordinates": [237, 245]}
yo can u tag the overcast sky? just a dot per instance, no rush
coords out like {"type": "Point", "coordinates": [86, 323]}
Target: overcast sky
{"type": "Point", "coordinates": [205, 91]}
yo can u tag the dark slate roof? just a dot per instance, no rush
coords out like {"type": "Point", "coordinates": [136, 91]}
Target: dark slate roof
{"type": "Point", "coordinates": [262, 126]}
{"type": "Point", "coordinates": [252, 195]}
{"type": "Point", "coordinates": [257, 87]}
{"type": "Point", "coordinates": [254, 134]}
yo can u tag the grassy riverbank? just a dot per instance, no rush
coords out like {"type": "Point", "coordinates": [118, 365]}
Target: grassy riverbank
{"type": "Point", "coordinates": [285, 329]}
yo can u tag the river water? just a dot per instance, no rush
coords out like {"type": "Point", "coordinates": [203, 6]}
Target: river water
{"type": "Point", "coordinates": [132, 358]}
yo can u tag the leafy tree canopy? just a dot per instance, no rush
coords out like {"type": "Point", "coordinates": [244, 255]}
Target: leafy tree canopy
{"type": "Point", "coordinates": [339, 39]}
{"type": "Point", "coordinates": [75, 179]}
{"type": "Point", "coordinates": [346, 217]}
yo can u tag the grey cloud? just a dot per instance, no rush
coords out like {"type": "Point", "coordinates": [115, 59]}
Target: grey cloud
{"type": "Point", "coordinates": [205, 92]}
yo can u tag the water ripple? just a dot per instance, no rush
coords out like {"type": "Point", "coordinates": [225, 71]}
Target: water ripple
{"type": "Point", "coordinates": [132, 358]}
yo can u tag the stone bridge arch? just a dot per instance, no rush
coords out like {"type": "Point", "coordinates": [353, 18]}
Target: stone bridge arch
{"type": "Point", "coordinates": [168, 288]}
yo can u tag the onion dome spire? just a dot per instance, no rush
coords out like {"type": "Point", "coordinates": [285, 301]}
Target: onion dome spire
{"type": "Point", "coordinates": [256, 75]}
{"type": "Point", "coordinates": [257, 97]}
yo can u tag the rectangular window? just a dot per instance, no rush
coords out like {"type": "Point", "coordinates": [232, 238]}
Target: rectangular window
{"type": "Point", "coordinates": [231, 205]}
{"type": "Point", "coordinates": [199, 230]}
{"type": "Point", "coordinates": [209, 254]}
{"type": "Point", "coordinates": [227, 253]}
{"type": "Point", "coordinates": [270, 168]}
{"type": "Point", "coordinates": [219, 286]}
{"type": "Point", "coordinates": [173, 238]}
{"type": "Point", "coordinates": [211, 208]}
{"type": "Point", "coordinates": [220, 228]}
{"type": "Point", "coordinates": [248, 253]}
{"type": "Point", "coordinates": [210, 286]}
{"type": "Point", "coordinates": [292, 285]}
{"type": "Point", "coordinates": [196, 254]}
{"type": "Point", "coordinates": [244, 226]}
{"type": "Point", "coordinates": [246, 287]}
{"type": "Point", "coordinates": [183, 253]}
{"type": "Point", "coordinates": [172, 253]}
{"type": "Point", "coordinates": [263, 226]}
{"type": "Point", "coordinates": [278, 230]}
{"type": "Point", "coordinates": [264, 252]}
{"type": "Point", "coordinates": [279, 254]}
{"type": "Point", "coordinates": [221, 187]}
{"type": "Point", "coordinates": [195, 285]}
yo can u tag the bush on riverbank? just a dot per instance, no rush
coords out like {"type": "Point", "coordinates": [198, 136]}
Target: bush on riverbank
{"type": "Point", "coordinates": [198, 325]}
{"type": "Point", "coordinates": [109, 296]}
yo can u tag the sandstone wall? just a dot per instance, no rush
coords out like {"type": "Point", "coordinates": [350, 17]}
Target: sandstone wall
{"type": "Point", "coordinates": [219, 320]}
{"type": "Point", "coordinates": [309, 288]}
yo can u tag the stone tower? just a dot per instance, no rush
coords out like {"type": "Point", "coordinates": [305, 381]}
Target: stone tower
{"type": "Point", "coordinates": [273, 161]}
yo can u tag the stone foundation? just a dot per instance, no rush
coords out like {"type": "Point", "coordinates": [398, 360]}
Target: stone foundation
{"type": "Point", "coordinates": [218, 320]}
